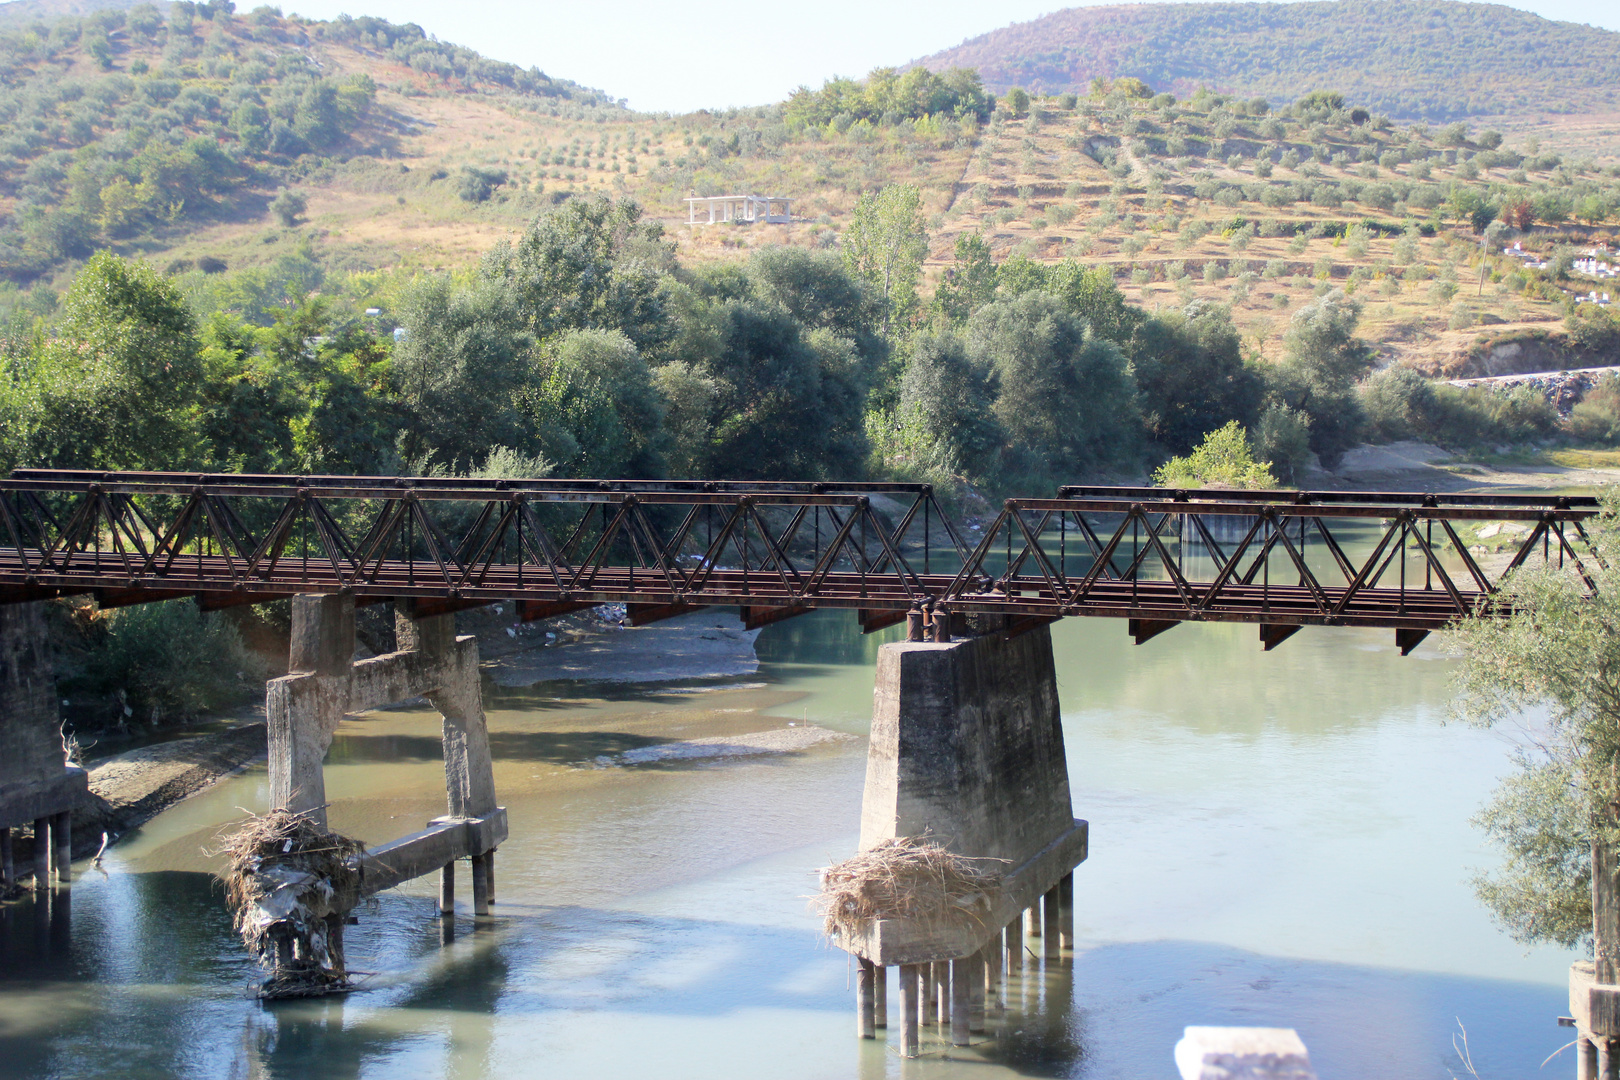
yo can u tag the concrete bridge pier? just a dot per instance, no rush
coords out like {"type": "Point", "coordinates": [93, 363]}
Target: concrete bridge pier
{"type": "Point", "coordinates": [38, 785]}
{"type": "Point", "coordinates": [967, 751]}
{"type": "Point", "coordinates": [325, 683]}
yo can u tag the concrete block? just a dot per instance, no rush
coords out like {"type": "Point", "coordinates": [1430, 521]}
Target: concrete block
{"type": "Point", "coordinates": [1239, 1053]}
{"type": "Point", "coordinates": [322, 634]}
{"type": "Point", "coordinates": [1594, 1005]}
{"type": "Point", "coordinates": [443, 842]}
{"type": "Point", "coordinates": [35, 779]}
{"type": "Point", "coordinates": [967, 750]}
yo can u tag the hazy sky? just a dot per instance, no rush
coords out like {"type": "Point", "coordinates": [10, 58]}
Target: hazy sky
{"type": "Point", "coordinates": [679, 55]}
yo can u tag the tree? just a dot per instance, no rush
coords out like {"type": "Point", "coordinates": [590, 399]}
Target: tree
{"type": "Point", "coordinates": [464, 360]}
{"type": "Point", "coordinates": [948, 393]}
{"type": "Point", "coordinates": [592, 264]}
{"type": "Point", "coordinates": [884, 245]}
{"type": "Point", "coordinates": [1558, 656]}
{"type": "Point", "coordinates": [477, 185]}
{"type": "Point", "coordinates": [1323, 359]}
{"type": "Point", "coordinates": [597, 409]}
{"type": "Point", "coordinates": [1191, 376]}
{"type": "Point", "coordinates": [1223, 460]}
{"type": "Point", "coordinates": [114, 387]}
{"type": "Point", "coordinates": [1089, 292]}
{"type": "Point", "coordinates": [791, 402]}
{"type": "Point", "coordinates": [1064, 395]}
{"type": "Point", "coordinates": [970, 282]}
{"type": "Point", "coordinates": [821, 293]}
{"type": "Point", "coordinates": [1018, 101]}
{"type": "Point", "coordinates": [288, 206]}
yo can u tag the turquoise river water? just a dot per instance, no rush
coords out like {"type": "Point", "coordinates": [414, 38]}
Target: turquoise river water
{"type": "Point", "coordinates": [1276, 839]}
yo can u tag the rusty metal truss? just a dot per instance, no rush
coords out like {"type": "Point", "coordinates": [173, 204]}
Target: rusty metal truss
{"type": "Point", "coordinates": [1153, 556]}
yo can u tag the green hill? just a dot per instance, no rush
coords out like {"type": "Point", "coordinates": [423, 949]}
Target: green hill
{"type": "Point", "coordinates": [132, 127]}
{"type": "Point", "coordinates": [1412, 59]}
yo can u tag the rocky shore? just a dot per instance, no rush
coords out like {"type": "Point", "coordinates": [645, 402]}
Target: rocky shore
{"type": "Point", "coordinates": [1563, 388]}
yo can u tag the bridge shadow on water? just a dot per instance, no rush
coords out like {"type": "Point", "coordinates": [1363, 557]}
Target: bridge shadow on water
{"type": "Point", "coordinates": [149, 981]}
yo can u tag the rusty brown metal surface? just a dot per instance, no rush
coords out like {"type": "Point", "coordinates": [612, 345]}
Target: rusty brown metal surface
{"type": "Point", "coordinates": [1153, 556]}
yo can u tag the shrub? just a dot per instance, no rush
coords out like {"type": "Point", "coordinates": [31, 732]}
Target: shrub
{"type": "Point", "coordinates": [165, 661]}
{"type": "Point", "coordinates": [1283, 438]}
{"type": "Point", "coordinates": [477, 185]}
{"type": "Point", "coordinates": [1399, 404]}
{"type": "Point", "coordinates": [1224, 459]}
{"type": "Point", "coordinates": [1596, 417]}
{"type": "Point", "coordinates": [288, 206]}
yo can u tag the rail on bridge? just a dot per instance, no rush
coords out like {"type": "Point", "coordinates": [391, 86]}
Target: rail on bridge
{"type": "Point", "coordinates": [1154, 556]}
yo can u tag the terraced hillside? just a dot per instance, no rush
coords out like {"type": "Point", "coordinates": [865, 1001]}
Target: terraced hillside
{"type": "Point", "coordinates": [358, 146]}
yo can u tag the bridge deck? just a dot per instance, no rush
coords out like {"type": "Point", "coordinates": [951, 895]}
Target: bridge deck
{"type": "Point", "coordinates": [1386, 559]}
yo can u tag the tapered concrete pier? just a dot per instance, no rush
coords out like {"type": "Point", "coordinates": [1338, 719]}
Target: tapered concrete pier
{"type": "Point", "coordinates": [967, 750]}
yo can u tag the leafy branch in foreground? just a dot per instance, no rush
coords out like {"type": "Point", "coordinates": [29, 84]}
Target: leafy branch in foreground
{"type": "Point", "coordinates": [1553, 670]}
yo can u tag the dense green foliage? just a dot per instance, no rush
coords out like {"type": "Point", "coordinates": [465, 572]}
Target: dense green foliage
{"type": "Point", "coordinates": [582, 348]}
{"type": "Point", "coordinates": [153, 664]}
{"type": "Point", "coordinates": [1415, 59]}
{"type": "Point", "coordinates": [888, 96]}
{"type": "Point", "coordinates": [1398, 403]}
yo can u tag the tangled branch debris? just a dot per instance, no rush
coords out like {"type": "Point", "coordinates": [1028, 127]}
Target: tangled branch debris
{"type": "Point", "coordinates": [909, 878]}
{"type": "Point", "coordinates": [290, 883]}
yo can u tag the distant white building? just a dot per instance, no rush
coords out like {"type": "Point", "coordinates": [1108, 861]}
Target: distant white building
{"type": "Point", "coordinates": [771, 209]}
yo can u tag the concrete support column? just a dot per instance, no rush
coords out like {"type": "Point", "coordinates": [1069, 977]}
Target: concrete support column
{"type": "Point", "coordinates": [1066, 899]}
{"type": "Point", "coordinates": [880, 998]}
{"type": "Point", "coordinates": [976, 967]}
{"type": "Point", "coordinates": [865, 998]}
{"type": "Point", "coordinates": [942, 987]}
{"type": "Point", "coordinates": [304, 708]}
{"type": "Point", "coordinates": [1050, 933]}
{"type": "Point", "coordinates": [1015, 946]}
{"type": "Point", "coordinates": [961, 978]}
{"type": "Point", "coordinates": [910, 1007]}
{"type": "Point", "coordinates": [1609, 1059]}
{"type": "Point", "coordinates": [42, 854]}
{"type": "Point", "coordinates": [1586, 1059]}
{"type": "Point", "coordinates": [489, 873]}
{"type": "Point", "coordinates": [334, 943]}
{"type": "Point", "coordinates": [995, 955]}
{"type": "Point", "coordinates": [8, 865]}
{"type": "Point", "coordinates": [1032, 920]}
{"type": "Point", "coordinates": [62, 841]}
{"type": "Point", "coordinates": [930, 994]}
{"type": "Point", "coordinates": [447, 889]}
{"type": "Point", "coordinates": [480, 885]}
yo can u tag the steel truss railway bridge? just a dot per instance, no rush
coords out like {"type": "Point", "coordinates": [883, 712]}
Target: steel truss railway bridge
{"type": "Point", "coordinates": [1156, 557]}
{"type": "Point", "coordinates": [997, 786]}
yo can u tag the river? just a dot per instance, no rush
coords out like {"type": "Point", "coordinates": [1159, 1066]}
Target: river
{"type": "Point", "coordinates": [1276, 839]}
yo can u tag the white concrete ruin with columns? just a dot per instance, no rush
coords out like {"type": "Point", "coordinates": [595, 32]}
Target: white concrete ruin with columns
{"type": "Point", "coordinates": [771, 209]}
